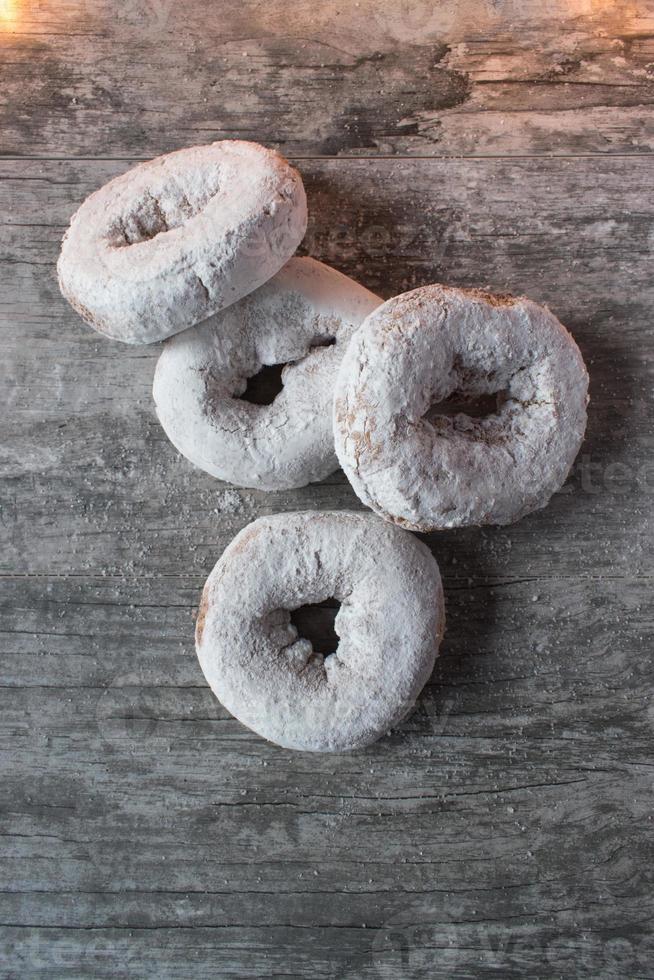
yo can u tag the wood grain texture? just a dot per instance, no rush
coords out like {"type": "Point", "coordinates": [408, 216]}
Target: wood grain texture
{"type": "Point", "coordinates": [506, 828]}
{"type": "Point", "coordinates": [464, 77]}
{"type": "Point", "coordinates": [507, 823]}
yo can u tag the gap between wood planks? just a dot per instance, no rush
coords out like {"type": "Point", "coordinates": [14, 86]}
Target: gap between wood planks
{"type": "Point", "coordinates": [395, 157]}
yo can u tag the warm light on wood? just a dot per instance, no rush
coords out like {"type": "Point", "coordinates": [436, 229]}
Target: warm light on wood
{"type": "Point", "coordinates": [9, 11]}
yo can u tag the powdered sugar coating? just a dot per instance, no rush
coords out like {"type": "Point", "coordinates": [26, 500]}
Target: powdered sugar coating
{"type": "Point", "coordinates": [202, 371]}
{"type": "Point", "coordinates": [390, 624]}
{"type": "Point", "coordinates": [425, 471]}
{"type": "Point", "coordinates": [176, 239]}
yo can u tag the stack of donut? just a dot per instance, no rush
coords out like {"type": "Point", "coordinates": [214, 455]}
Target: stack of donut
{"type": "Point", "coordinates": [197, 247]}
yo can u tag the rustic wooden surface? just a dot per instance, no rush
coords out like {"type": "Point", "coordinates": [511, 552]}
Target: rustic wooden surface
{"type": "Point", "coordinates": [506, 829]}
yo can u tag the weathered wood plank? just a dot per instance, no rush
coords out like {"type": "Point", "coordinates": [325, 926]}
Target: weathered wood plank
{"type": "Point", "coordinates": [456, 78]}
{"type": "Point", "coordinates": [142, 821]}
{"type": "Point", "coordinates": [517, 648]}
{"type": "Point", "coordinates": [449, 949]}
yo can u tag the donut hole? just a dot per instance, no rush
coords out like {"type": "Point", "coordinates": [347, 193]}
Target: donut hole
{"type": "Point", "coordinates": [473, 405]}
{"type": "Point", "coordinates": [325, 341]}
{"type": "Point", "coordinates": [162, 209]}
{"type": "Point", "coordinates": [316, 623]}
{"type": "Point", "coordinates": [264, 386]}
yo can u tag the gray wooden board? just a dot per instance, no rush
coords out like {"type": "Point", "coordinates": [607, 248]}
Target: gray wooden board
{"type": "Point", "coordinates": [475, 77]}
{"type": "Point", "coordinates": [506, 828]}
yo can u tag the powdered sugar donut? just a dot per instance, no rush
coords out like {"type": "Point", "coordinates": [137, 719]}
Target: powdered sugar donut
{"type": "Point", "coordinates": [176, 239]}
{"type": "Point", "coordinates": [202, 372]}
{"type": "Point", "coordinates": [415, 465]}
{"type": "Point", "coordinates": [390, 624]}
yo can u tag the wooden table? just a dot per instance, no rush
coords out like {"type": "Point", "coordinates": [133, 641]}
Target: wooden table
{"type": "Point", "coordinates": [506, 828]}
